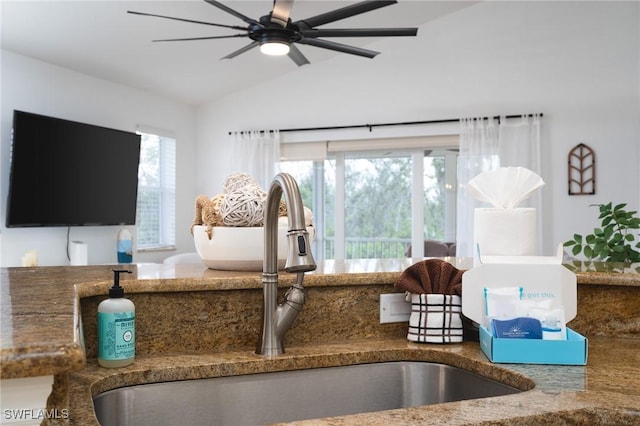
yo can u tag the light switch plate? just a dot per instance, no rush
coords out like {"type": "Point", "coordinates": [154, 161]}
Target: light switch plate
{"type": "Point", "coordinates": [394, 308]}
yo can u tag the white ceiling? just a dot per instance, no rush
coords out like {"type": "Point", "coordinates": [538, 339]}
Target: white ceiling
{"type": "Point", "coordinates": [101, 39]}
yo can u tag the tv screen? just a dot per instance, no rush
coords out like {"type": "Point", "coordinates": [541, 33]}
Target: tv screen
{"type": "Point", "coordinates": [65, 173]}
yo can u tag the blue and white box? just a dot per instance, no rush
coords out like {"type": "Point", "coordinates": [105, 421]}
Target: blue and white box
{"type": "Point", "coordinates": [542, 278]}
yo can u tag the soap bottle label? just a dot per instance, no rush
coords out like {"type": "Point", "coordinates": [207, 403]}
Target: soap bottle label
{"type": "Point", "coordinates": [116, 335]}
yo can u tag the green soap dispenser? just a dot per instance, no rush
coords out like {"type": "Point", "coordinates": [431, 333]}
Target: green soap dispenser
{"type": "Point", "coordinates": [116, 327]}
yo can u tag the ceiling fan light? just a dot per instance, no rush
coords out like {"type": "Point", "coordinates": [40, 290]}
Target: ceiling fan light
{"type": "Point", "coordinates": [274, 48]}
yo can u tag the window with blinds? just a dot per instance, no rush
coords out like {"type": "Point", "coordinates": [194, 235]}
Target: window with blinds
{"type": "Point", "coordinates": [155, 216]}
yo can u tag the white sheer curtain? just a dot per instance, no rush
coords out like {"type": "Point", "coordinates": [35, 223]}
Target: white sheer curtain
{"type": "Point", "coordinates": [258, 154]}
{"type": "Point", "coordinates": [519, 140]}
{"type": "Point", "coordinates": [486, 145]}
{"type": "Point", "coordinates": [479, 150]}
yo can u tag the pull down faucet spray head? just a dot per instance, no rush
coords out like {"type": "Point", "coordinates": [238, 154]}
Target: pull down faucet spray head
{"type": "Point", "coordinates": [299, 257]}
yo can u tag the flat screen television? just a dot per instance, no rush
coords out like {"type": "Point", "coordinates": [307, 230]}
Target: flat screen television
{"type": "Point", "coordinates": [65, 173]}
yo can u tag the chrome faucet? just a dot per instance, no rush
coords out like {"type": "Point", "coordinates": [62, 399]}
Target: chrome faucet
{"type": "Point", "coordinates": [277, 319]}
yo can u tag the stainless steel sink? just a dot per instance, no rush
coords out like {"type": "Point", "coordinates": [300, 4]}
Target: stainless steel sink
{"type": "Point", "coordinates": [264, 398]}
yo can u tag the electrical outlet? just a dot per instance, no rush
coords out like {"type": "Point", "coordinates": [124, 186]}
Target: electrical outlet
{"type": "Point", "coordinates": [394, 308]}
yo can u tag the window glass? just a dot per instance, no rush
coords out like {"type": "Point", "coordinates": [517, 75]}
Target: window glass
{"type": "Point", "coordinates": [377, 205]}
{"type": "Point", "coordinates": [440, 195]}
{"type": "Point", "coordinates": [329, 207]}
{"type": "Point", "coordinates": [434, 220]}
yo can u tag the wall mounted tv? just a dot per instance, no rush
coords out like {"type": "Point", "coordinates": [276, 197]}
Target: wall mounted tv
{"type": "Point", "coordinates": [65, 173]}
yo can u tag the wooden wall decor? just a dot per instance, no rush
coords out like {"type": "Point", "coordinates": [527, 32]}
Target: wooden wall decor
{"type": "Point", "coordinates": [582, 170]}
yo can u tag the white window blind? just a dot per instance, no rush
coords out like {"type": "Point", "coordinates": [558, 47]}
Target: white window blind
{"type": "Point", "coordinates": [441, 141]}
{"type": "Point", "coordinates": [301, 151]}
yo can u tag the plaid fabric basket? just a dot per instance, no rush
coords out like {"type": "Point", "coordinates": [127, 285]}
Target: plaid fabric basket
{"type": "Point", "coordinates": [435, 318]}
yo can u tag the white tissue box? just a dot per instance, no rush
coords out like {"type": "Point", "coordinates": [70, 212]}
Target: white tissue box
{"type": "Point", "coordinates": [505, 232]}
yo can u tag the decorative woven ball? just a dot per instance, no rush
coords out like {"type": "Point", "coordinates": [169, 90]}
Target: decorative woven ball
{"type": "Point", "coordinates": [237, 181]}
{"type": "Point", "coordinates": [243, 207]}
{"type": "Point", "coordinates": [215, 217]}
{"type": "Point", "coordinates": [282, 209]}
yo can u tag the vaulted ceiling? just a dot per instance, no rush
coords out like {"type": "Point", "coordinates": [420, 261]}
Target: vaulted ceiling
{"type": "Point", "coordinates": [101, 39]}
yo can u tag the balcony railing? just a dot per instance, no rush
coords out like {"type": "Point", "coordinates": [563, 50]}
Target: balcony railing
{"type": "Point", "coordinates": [369, 248]}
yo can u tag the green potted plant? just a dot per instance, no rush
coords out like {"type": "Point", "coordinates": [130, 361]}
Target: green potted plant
{"type": "Point", "coordinates": [614, 241]}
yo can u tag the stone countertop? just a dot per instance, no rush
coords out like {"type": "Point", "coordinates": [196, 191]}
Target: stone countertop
{"type": "Point", "coordinates": [39, 307]}
{"type": "Point", "coordinates": [606, 391]}
{"type": "Point", "coordinates": [41, 335]}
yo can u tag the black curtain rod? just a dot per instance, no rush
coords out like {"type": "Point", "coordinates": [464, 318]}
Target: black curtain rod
{"type": "Point", "coordinates": [405, 123]}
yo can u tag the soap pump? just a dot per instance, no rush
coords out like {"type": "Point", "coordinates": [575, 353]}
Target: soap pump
{"type": "Point", "coordinates": [116, 327]}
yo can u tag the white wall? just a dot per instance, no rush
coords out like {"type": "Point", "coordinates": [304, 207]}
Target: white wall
{"type": "Point", "coordinates": [38, 87]}
{"type": "Point", "coordinates": [576, 62]}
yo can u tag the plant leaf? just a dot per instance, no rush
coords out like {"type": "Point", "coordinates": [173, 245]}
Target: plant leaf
{"type": "Point", "coordinates": [576, 250]}
{"type": "Point", "coordinates": [608, 232]}
{"type": "Point", "coordinates": [619, 207]}
{"type": "Point", "coordinates": [588, 252]}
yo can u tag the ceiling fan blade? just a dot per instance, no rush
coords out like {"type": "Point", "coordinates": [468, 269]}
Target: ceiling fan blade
{"type": "Point", "coordinates": [339, 47]}
{"type": "Point", "coordinates": [296, 55]}
{"type": "Point", "coordinates": [342, 13]}
{"type": "Point", "coordinates": [242, 50]}
{"type": "Point", "coordinates": [281, 12]}
{"type": "Point", "coordinates": [233, 12]}
{"type": "Point", "coordinates": [201, 38]}
{"type": "Point", "coordinates": [360, 32]}
{"type": "Point", "coordinates": [234, 27]}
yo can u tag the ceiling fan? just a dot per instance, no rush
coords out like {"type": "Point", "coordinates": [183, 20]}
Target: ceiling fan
{"type": "Point", "coordinates": [277, 34]}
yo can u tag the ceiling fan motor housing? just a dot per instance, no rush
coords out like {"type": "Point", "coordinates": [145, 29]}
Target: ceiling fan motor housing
{"type": "Point", "coordinates": [274, 33]}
